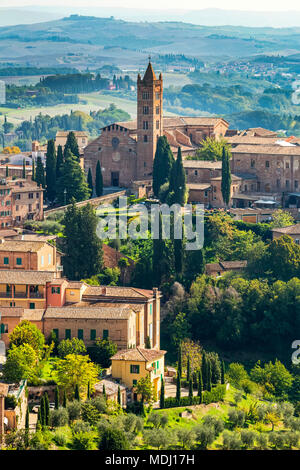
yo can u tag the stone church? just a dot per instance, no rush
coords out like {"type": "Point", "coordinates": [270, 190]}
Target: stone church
{"type": "Point", "coordinates": [126, 150]}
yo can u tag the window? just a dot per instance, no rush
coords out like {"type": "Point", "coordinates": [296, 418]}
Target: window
{"type": "Point", "coordinates": [287, 164]}
{"type": "Point", "coordinates": [80, 334]}
{"type": "Point", "coordinates": [287, 183]}
{"type": "Point", "coordinates": [32, 305]}
{"type": "Point", "coordinates": [30, 196]}
{"type": "Point", "coordinates": [134, 382]}
{"type": "Point", "coordinates": [6, 260]}
{"type": "Point", "coordinates": [157, 109]}
{"type": "Point", "coordinates": [145, 125]}
{"type": "Point", "coordinates": [56, 332]}
{"type": "Point", "coordinates": [42, 260]}
{"type": "Point", "coordinates": [297, 241]}
{"type": "Point", "coordinates": [146, 95]}
{"type": "Point", "coordinates": [196, 172]}
{"type": "Point", "coordinates": [55, 290]}
{"type": "Point", "coordinates": [19, 261]}
{"type": "Point", "coordinates": [157, 125]}
{"type": "Point", "coordinates": [145, 109]}
{"type": "Point", "coordinates": [93, 335]}
{"type": "Point", "coordinates": [67, 334]}
{"type": "Point", "coordinates": [17, 208]}
{"type": "Point", "coordinates": [37, 195]}
{"type": "Point", "coordinates": [267, 164]}
{"type": "Point", "coordinates": [49, 258]}
{"type": "Point", "coordinates": [157, 95]}
{"type": "Point", "coordinates": [134, 369]}
{"type": "Point", "coordinates": [105, 334]}
{"type": "Point", "coordinates": [252, 163]}
{"type": "Point", "coordinates": [145, 138]}
{"type": "Point", "coordinates": [296, 184]}
{"type": "Point", "coordinates": [278, 183]}
{"type": "Point", "coordinates": [18, 196]}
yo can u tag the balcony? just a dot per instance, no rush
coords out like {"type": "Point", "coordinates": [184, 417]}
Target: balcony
{"type": "Point", "coordinates": [36, 295]}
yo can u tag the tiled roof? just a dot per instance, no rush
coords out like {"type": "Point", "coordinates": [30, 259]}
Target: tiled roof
{"type": "Point", "coordinates": [33, 314]}
{"type": "Point", "coordinates": [111, 387]}
{"type": "Point", "coordinates": [66, 133]}
{"type": "Point", "coordinates": [202, 164]}
{"type": "Point", "coordinates": [260, 131]}
{"type": "Point", "coordinates": [170, 122]}
{"type": "Point", "coordinates": [12, 276]}
{"type": "Point", "coordinates": [100, 312]}
{"type": "Point", "coordinates": [252, 140]}
{"type": "Point", "coordinates": [138, 355]}
{"type": "Point", "coordinates": [293, 229]}
{"type": "Point", "coordinates": [266, 150]}
{"type": "Point", "coordinates": [117, 291]}
{"type": "Point", "coordinates": [11, 311]}
{"type": "Point", "coordinates": [198, 186]}
{"type": "Point", "coordinates": [21, 245]}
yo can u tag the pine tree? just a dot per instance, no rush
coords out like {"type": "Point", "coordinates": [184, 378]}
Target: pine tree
{"type": "Point", "coordinates": [90, 181]}
{"type": "Point", "coordinates": [59, 161]}
{"type": "Point", "coordinates": [178, 387]}
{"type": "Point", "coordinates": [56, 398]}
{"type": "Point", "coordinates": [72, 182]}
{"type": "Point", "coordinates": [119, 395]}
{"type": "Point", "coordinates": [162, 394]}
{"type": "Point", "coordinates": [24, 170]}
{"type": "Point", "coordinates": [222, 372]}
{"type": "Point", "coordinates": [72, 145]}
{"type": "Point", "coordinates": [40, 172]}
{"type": "Point", "coordinates": [226, 176]}
{"type": "Point", "coordinates": [99, 180]}
{"type": "Point", "coordinates": [51, 170]}
{"type": "Point", "coordinates": [76, 393]}
{"type": "Point", "coordinates": [200, 386]}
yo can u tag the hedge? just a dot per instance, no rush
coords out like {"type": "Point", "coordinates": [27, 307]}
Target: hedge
{"type": "Point", "coordinates": [217, 394]}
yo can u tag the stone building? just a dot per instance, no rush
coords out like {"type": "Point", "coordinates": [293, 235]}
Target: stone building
{"type": "Point", "coordinates": [126, 150]}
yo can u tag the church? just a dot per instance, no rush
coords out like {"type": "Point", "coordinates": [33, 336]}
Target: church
{"type": "Point", "coordinates": [126, 150]}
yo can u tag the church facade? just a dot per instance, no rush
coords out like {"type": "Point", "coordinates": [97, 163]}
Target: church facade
{"type": "Point", "coordinates": [126, 150]}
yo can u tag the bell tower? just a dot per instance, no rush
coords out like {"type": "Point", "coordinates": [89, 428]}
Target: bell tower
{"type": "Point", "coordinates": [149, 120]}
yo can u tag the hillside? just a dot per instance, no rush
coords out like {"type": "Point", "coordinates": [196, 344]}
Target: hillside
{"type": "Point", "coordinates": [89, 41]}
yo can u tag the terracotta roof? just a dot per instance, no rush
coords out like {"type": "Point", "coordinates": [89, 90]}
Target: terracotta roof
{"type": "Point", "coordinates": [99, 312]}
{"type": "Point", "coordinates": [202, 164]}
{"type": "Point", "coordinates": [12, 276]}
{"type": "Point", "coordinates": [75, 284]}
{"type": "Point", "coordinates": [33, 314]}
{"type": "Point", "coordinates": [111, 256]}
{"type": "Point", "coordinates": [111, 387]}
{"type": "Point", "coordinates": [225, 266]}
{"type": "Point", "coordinates": [138, 355]}
{"type": "Point", "coordinates": [11, 311]}
{"type": "Point", "coordinates": [198, 186]}
{"type": "Point", "coordinates": [293, 229]}
{"type": "Point", "coordinates": [22, 245]}
{"type": "Point", "coordinates": [66, 133]}
{"type": "Point", "coordinates": [252, 140]}
{"type": "Point", "coordinates": [8, 233]}
{"type": "Point", "coordinates": [260, 131]}
{"type": "Point", "coordinates": [117, 291]}
{"type": "Point", "coordinates": [266, 150]}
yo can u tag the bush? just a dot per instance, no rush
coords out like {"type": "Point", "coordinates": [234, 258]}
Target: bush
{"type": "Point", "coordinates": [89, 413]}
{"type": "Point", "coordinates": [74, 410]}
{"type": "Point", "coordinates": [186, 437]}
{"type": "Point", "coordinates": [277, 439]}
{"type": "Point", "coordinates": [82, 441]}
{"type": "Point", "coordinates": [81, 426]}
{"type": "Point", "coordinates": [113, 439]}
{"type": "Point", "coordinates": [215, 395]}
{"type": "Point", "coordinates": [71, 346]}
{"type": "Point", "coordinates": [60, 438]}
{"type": "Point", "coordinates": [58, 417]}
{"type": "Point", "coordinates": [262, 441]}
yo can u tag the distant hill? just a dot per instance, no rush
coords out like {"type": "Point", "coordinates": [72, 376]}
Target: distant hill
{"type": "Point", "coordinates": [78, 41]}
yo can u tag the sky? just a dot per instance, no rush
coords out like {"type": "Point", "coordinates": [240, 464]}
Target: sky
{"type": "Point", "coordinates": [253, 5]}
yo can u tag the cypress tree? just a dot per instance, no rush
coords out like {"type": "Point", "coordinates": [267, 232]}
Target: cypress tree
{"type": "Point", "coordinates": [56, 398]}
{"type": "Point", "coordinates": [188, 369]}
{"type": "Point", "coordinates": [162, 164]}
{"type": "Point", "coordinates": [33, 170]}
{"type": "Point", "coordinates": [40, 172]}
{"type": "Point", "coordinates": [27, 427]}
{"type": "Point", "coordinates": [178, 387]}
{"type": "Point", "coordinates": [204, 371]}
{"type": "Point", "coordinates": [43, 411]}
{"type": "Point", "coordinates": [222, 372]}
{"type": "Point", "coordinates": [59, 161]}
{"type": "Point", "coordinates": [90, 181]}
{"type": "Point", "coordinates": [89, 391]}
{"type": "Point", "coordinates": [200, 385]}
{"type": "Point", "coordinates": [104, 391]}
{"type": "Point", "coordinates": [208, 376]}
{"type": "Point", "coordinates": [226, 176]}
{"type": "Point", "coordinates": [72, 145]}
{"type": "Point", "coordinates": [163, 256]}
{"type": "Point", "coordinates": [72, 183]}
{"type": "Point", "coordinates": [65, 399]}
{"type": "Point", "coordinates": [76, 393]}
{"type": "Point", "coordinates": [99, 180]}
{"type": "Point", "coordinates": [179, 363]}
{"type": "Point", "coordinates": [51, 170]}
{"type": "Point", "coordinates": [178, 181]}
{"type": "Point", "coordinates": [191, 394]}
{"type": "Point", "coordinates": [6, 171]}
{"type": "Point", "coordinates": [119, 395]}
{"type": "Point", "coordinates": [39, 418]}
{"type": "Point", "coordinates": [24, 170]}
{"type": "Point", "coordinates": [162, 394]}
{"type": "Point", "coordinates": [47, 409]}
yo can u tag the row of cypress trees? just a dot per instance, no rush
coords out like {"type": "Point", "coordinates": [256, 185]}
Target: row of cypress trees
{"type": "Point", "coordinates": [98, 181]}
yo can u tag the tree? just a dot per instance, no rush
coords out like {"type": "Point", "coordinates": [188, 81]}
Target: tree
{"type": "Point", "coordinates": [145, 388]}
{"type": "Point", "coordinates": [178, 387]}
{"type": "Point", "coordinates": [76, 392]}
{"type": "Point", "coordinates": [188, 369]}
{"type": "Point", "coordinates": [76, 370]}
{"type": "Point", "coordinates": [159, 438]}
{"type": "Point", "coordinates": [102, 351]}
{"type": "Point", "coordinates": [65, 399]}
{"type": "Point", "coordinates": [281, 218]}
{"type": "Point", "coordinates": [47, 408]}
{"type": "Point", "coordinates": [56, 398]}
{"type": "Point", "coordinates": [226, 177]}
{"type": "Point", "coordinates": [185, 437]}
{"type": "Point", "coordinates": [27, 426]}
{"type": "Point", "coordinates": [24, 170]}
{"type": "Point", "coordinates": [200, 386]}
{"type": "Point", "coordinates": [211, 149]}
{"type": "Point", "coordinates": [40, 172]}
{"type": "Point", "coordinates": [89, 391]}
{"type": "Point", "coordinates": [179, 362]}
{"type": "Point", "coordinates": [71, 346]}
{"type": "Point", "coordinates": [27, 332]}
{"type": "Point", "coordinates": [51, 170]}
{"type": "Point", "coordinates": [81, 246]}
{"type": "Point", "coordinates": [71, 145]}
{"type": "Point", "coordinates": [222, 372]}
{"type": "Point", "coordinates": [162, 259]}
{"type": "Point", "coordinates": [20, 364]}
{"type": "Point", "coordinates": [178, 181]}
{"type": "Point", "coordinates": [72, 182]}
{"type": "Point", "coordinates": [204, 371]}
{"type": "Point", "coordinates": [90, 181]}
{"type": "Point", "coordinates": [162, 394]}
{"type": "Point", "coordinates": [162, 164]}
{"type": "Point", "coordinates": [113, 439]}
{"type": "Point", "coordinates": [59, 161]}
{"type": "Point", "coordinates": [99, 180]}
{"type": "Point", "coordinates": [191, 393]}
{"type": "Point", "coordinates": [33, 170]}
{"type": "Point", "coordinates": [274, 377]}
{"type": "Point", "coordinates": [119, 396]}
{"type": "Point", "coordinates": [283, 258]}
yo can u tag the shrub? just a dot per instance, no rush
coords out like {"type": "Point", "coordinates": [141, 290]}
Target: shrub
{"type": "Point", "coordinates": [113, 439]}
{"type": "Point", "coordinates": [60, 438]}
{"type": "Point", "coordinates": [74, 410]}
{"type": "Point", "coordinates": [262, 441]}
{"type": "Point", "coordinates": [82, 441]}
{"type": "Point", "coordinates": [81, 426]}
{"type": "Point", "coordinates": [58, 417]}
{"type": "Point", "coordinates": [89, 413]}
{"type": "Point", "coordinates": [186, 437]}
{"type": "Point", "coordinates": [277, 440]}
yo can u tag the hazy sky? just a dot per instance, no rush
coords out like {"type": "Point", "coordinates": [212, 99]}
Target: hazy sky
{"type": "Point", "coordinates": [258, 5]}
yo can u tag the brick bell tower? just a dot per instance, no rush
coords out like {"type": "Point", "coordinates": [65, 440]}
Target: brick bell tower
{"type": "Point", "coordinates": [149, 120]}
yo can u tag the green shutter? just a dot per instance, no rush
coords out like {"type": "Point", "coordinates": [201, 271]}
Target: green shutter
{"type": "Point", "coordinates": [56, 332]}
{"type": "Point", "coordinates": [80, 334]}
{"type": "Point", "coordinates": [19, 261]}
{"type": "Point", "coordinates": [32, 305]}
{"type": "Point", "coordinates": [93, 335]}
{"type": "Point", "coordinates": [6, 260]}
{"type": "Point", "coordinates": [68, 334]}
{"type": "Point", "coordinates": [105, 334]}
